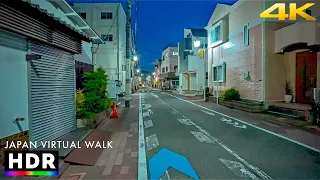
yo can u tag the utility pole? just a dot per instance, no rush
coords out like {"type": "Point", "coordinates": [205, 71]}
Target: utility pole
{"type": "Point", "coordinates": [128, 56]}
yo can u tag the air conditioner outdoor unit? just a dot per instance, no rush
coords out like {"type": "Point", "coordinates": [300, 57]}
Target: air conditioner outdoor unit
{"type": "Point", "coordinates": [316, 95]}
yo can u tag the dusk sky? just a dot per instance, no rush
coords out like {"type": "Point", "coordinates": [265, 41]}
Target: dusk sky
{"type": "Point", "coordinates": [161, 22]}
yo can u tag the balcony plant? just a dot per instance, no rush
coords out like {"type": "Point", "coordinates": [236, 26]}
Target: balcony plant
{"type": "Point", "coordinates": [288, 95]}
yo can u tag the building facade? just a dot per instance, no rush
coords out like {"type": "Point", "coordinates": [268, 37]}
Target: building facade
{"type": "Point", "coordinates": [109, 21]}
{"type": "Point", "coordinates": [257, 57]}
{"type": "Point", "coordinates": [37, 60]}
{"type": "Point", "coordinates": [169, 68]}
{"type": "Point", "coordinates": [191, 67]}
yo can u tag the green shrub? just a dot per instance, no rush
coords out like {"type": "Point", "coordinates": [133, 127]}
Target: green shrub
{"type": "Point", "coordinates": [79, 104]}
{"type": "Point", "coordinates": [108, 104]}
{"type": "Point", "coordinates": [230, 94]}
{"type": "Point", "coordinates": [95, 84]}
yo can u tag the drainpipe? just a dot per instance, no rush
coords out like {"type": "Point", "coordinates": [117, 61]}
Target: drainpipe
{"type": "Point", "coordinates": [263, 54]}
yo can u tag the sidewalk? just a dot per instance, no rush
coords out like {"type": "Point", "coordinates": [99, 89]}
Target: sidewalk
{"type": "Point", "coordinates": [297, 130]}
{"type": "Point", "coordinates": [119, 162]}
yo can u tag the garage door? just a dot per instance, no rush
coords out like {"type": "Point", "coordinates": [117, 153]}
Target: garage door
{"type": "Point", "coordinates": [52, 93]}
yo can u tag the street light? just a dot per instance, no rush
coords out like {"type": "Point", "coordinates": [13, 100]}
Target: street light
{"type": "Point", "coordinates": [153, 73]}
{"type": "Point", "coordinates": [197, 44]}
{"type": "Point", "coordinates": [138, 70]}
{"type": "Point", "coordinates": [135, 58]}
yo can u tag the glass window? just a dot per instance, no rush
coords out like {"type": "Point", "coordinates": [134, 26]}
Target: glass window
{"type": "Point", "coordinates": [216, 34]}
{"type": "Point", "coordinates": [83, 15]}
{"type": "Point", "coordinates": [246, 35]}
{"type": "Point", "coordinates": [105, 15]}
{"type": "Point", "coordinates": [219, 73]}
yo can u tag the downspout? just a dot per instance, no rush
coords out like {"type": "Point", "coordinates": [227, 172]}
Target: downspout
{"type": "Point", "coordinates": [263, 55]}
{"type": "Point", "coordinates": [118, 44]}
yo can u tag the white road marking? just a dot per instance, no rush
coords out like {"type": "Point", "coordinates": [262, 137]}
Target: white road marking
{"type": "Point", "coordinates": [256, 170]}
{"type": "Point", "coordinates": [165, 176]}
{"type": "Point", "coordinates": [235, 124]}
{"type": "Point", "coordinates": [147, 113]}
{"type": "Point", "coordinates": [185, 122]}
{"type": "Point", "coordinates": [202, 137]}
{"type": "Point", "coordinates": [270, 124]}
{"type": "Point", "coordinates": [239, 169]}
{"type": "Point", "coordinates": [152, 142]}
{"type": "Point", "coordinates": [173, 112]}
{"type": "Point", "coordinates": [142, 159]}
{"type": "Point", "coordinates": [147, 106]}
{"type": "Point", "coordinates": [257, 127]}
{"type": "Point", "coordinates": [148, 124]}
{"type": "Point", "coordinates": [210, 113]}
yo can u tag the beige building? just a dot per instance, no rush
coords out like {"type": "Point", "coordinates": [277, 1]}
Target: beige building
{"type": "Point", "coordinates": [257, 57]}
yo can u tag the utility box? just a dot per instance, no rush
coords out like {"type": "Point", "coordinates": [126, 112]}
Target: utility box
{"type": "Point", "coordinates": [112, 89]}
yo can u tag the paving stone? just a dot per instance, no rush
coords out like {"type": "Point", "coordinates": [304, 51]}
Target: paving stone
{"type": "Point", "coordinates": [124, 170]}
{"type": "Point", "coordinates": [134, 154]}
{"type": "Point", "coordinates": [118, 162]}
{"type": "Point", "coordinates": [127, 150]}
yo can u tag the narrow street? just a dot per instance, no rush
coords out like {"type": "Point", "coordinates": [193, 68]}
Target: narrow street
{"type": "Point", "coordinates": [216, 146]}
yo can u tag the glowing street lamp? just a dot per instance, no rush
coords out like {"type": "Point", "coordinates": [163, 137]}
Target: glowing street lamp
{"type": "Point", "coordinates": [135, 58]}
{"type": "Point", "coordinates": [153, 73]}
{"type": "Point", "coordinates": [138, 70]}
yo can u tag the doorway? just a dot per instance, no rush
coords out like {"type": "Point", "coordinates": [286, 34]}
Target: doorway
{"type": "Point", "coordinates": [306, 76]}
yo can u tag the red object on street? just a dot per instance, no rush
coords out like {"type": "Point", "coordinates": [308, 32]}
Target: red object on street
{"type": "Point", "coordinates": [114, 113]}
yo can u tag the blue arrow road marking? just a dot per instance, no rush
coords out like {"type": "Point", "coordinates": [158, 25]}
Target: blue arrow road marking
{"type": "Point", "coordinates": [176, 99]}
{"type": "Point", "coordinates": [164, 159]}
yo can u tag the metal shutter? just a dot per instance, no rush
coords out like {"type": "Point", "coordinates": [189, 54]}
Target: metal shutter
{"type": "Point", "coordinates": [12, 40]}
{"type": "Point", "coordinates": [52, 93]}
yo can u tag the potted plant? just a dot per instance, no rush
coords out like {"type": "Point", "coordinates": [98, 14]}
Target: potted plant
{"type": "Point", "coordinates": [288, 96]}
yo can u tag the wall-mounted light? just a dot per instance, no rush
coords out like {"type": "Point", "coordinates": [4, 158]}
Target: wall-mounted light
{"type": "Point", "coordinates": [135, 58]}
{"type": "Point", "coordinates": [196, 43]}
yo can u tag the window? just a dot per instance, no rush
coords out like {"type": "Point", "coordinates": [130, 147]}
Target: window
{"type": "Point", "coordinates": [83, 15]}
{"type": "Point", "coordinates": [105, 15]}
{"type": "Point", "coordinates": [308, 11]}
{"type": "Point", "coordinates": [219, 71]}
{"type": "Point", "coordinates": [216, 34]}
{"type": "Point", "coordinates": [163, 70]}
{"type": "Point", "coordinates": [246, 35]}
{"type": "Point", "coordinates": [107, 37]}
{"type": "Point", "coordinates": [167, 69]}
{"type": "Point", "coordinates": [175, 68]}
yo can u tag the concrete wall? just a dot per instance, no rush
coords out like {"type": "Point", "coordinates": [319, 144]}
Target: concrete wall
{"type": "Point", "coordinates": [106, 54]}
{"type": "Point", "coordinates": [13, 91]}
{"type": "Point", "coordinates": [193, 81]}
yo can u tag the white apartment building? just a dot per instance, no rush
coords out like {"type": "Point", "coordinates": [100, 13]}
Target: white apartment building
{"type": "Point", "coordinates": [169, 68]}
{"type": "Point", "coordinates": [109, 21]}
{"type": "Point", "coordinates": [192, 68]}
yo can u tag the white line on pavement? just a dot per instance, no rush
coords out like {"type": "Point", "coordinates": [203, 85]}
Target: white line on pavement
{"type": "Point", "coordinates": [165, 176]}
{"type": "Point", "coordinates": [184, 121]}
{"type": "Point", "coordinates": [152, 142]}
{"type": "Point", "coordinates": [238, 169]}
{"type": "Point", "coordinates": [210, 113]}
{"type": "Point", "coordinates": [270, 124]}
{"type": "Point", "coordinates": [148, 124]}
{"type": "Point", "coordinates": [259, 172]}
{"type": "Point", "coordinates": [270, 132]}
{"type": "Point", "coordinates": [142, 159]}
{"type": "Point", "coordinates": [202, 137]}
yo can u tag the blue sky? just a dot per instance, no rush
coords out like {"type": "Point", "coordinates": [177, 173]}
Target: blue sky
{"type": "Point", "coordinates": [161, 22]}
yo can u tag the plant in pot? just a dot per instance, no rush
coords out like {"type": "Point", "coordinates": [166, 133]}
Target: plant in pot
{"type": "Point", "coordinates": [288, 96]}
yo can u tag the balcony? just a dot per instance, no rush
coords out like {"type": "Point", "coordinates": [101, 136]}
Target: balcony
{"type": "Point", "coordinates": [194, 63]}
{"type": "Point", "coordinates": [297, 36]}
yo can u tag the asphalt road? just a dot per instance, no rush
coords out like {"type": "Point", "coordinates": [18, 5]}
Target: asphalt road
{"type": "Point", "coordinates": [217, 147]}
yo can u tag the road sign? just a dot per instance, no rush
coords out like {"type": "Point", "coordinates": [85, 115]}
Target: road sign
{"type": "Point", "coordinates": [164, 159]}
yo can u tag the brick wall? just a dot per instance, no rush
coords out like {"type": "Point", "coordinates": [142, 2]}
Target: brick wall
{"type": "Point", "coordinates": [22, 136]}
{"type": "Point", "coordinates": [239, 59]}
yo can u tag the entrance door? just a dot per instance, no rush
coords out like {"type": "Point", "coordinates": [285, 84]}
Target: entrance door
{"type": "Point", "coordinates": [306, 76]}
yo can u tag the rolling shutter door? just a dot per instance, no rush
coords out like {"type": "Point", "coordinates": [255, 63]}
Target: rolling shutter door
{"type": "Point", "coordinates": [52, 93]}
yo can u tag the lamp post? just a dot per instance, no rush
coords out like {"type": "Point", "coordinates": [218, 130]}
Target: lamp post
{"type": "Point", "coordinates": [197, 44]}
